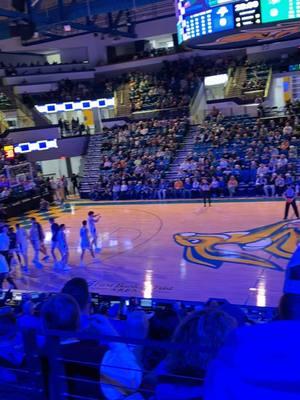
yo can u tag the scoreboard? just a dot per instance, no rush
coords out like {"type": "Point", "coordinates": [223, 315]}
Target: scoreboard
{"type": "Point", "coordinates": [200, 22]}
{"type": "Point", "coordinates": [282, 10]}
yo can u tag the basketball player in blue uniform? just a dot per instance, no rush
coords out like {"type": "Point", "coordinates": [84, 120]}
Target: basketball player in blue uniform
{"type": "Point", "coordinates": [22, 244]}
{"type": "Point", "coordinates": [92, 220]}
{"type": "Point", "coordinates": [63, 247]}
{"type": "Point", "coordinates": [85, 243]}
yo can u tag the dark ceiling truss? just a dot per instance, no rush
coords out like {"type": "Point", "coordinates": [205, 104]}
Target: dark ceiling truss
{"type": "Point", "coordinates": [81, 15]}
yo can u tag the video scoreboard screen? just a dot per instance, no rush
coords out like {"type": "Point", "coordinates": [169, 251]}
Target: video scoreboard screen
{"type": "Point", "coordinates": [201, 18]}
{"type": "Point", "coordinates": [280, 10]}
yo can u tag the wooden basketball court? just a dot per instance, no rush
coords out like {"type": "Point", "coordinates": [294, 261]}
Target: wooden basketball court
{"type": "Point", "coordinates": [179, 250]}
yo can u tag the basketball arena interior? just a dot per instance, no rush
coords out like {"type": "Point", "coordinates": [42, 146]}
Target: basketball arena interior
{"type": "Point", "coordinates": [149, 181]}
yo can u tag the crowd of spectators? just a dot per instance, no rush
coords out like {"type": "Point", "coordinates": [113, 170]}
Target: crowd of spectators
{"type": "Point", "coordinates": [232, 156]}
{"type": "Point", "coordinates": [292, 108]}
{"type": "Point", "coordinates": [256, 77]}
{"type": "Point", "coordinates": [174, 84]}
{"type": "Point", "coordinates": [21, 188]}
{"type": "Point", "coordinates": [71, 90]}
{"type": "Point", "coordinates": [20, 185]}
{"type": "Point", "coordinates": [241, 155]}
{"type": "Point", "coordinates": [174, 351]}
{"type": "Point", "coordinates": [135, 159]}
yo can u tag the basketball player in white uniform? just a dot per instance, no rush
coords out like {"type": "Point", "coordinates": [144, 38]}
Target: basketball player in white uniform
{"type": "Point", "coordinates": [85, 243]}
{"type": "Point", "coordinates": [92, 220]}
{"type": "Point", "coordinates": [63, 247]}
{"type": "Point", "coordinates": [35, 239]}
{"type": "Point", "coordinates": [22, 244]}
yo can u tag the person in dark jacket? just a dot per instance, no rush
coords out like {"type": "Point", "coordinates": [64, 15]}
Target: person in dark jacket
{"type": "Point", "coordinates": [290, 200]}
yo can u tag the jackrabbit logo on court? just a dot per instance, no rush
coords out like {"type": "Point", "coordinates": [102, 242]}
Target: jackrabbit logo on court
{"type": "Point", "coordinates": [264, 246]}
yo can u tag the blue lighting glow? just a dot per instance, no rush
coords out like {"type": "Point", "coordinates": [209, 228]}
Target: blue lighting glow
{"type": "Point", "coordinates": [76, 105]}
{"type": "Point", "coordinates": [24, 147]}
{"type": "Point", "coordinates": [42, 145]}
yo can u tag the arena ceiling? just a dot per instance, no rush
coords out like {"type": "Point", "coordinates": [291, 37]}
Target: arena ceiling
{"type": "Point", "coordinates": [57, 19]}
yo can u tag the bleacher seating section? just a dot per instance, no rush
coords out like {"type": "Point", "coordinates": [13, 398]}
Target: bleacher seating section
{"type": "Point", "coordinates": [244, 143]}
{"type": "Point", "coordinates": [138, 154]}
{"type": "Point", "coordinates": [233, 146]}
{"type": "Point", "coordinates": [256, 79]}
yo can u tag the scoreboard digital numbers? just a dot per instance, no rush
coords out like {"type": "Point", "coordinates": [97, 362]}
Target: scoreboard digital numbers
{"type": "Point", "coordinates": [247, 13]}
{"type": "Point", "coordinates": [209, 20]}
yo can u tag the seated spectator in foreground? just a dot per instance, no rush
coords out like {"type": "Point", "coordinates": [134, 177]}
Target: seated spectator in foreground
{"type": "Point", "coordinates": [260, 361]}
{"type": "Point", "coordinates": [29, 185]}
{"type": "Point", "coordinates": [289, 307]}
{"type": "Point", "coordinates": [44, 205]}
{"type": "Point", "coordinates": [12, 357]}
{"type": "Point", "coordinates": [5, 193]}
{"type": "Point", "coordinates": [199, 337]}
{"type": "Point", "coordinates": [28, 319]}
{"type": "Point", "coordinates": [161, 327]}
{"type": "Point", "coordinates": [110, 369]}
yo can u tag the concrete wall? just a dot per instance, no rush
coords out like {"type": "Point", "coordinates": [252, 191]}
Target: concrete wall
{"type": "Point", "coordinates": [59, 168]}
{"type": "Point", "coordinates": [30, 70]}
{"type": "Point", "coordinates": [35, 88]}
{"type": "Point", "coordinates": [54, 77]}
{"type": "Point", "coordinates": [74, 54]}
{"type": "Point", "coordinates": [198, 105]}
{"type": "Point", "coordinates": [276, 92]}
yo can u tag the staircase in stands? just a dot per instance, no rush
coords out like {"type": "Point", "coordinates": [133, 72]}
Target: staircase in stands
{"type": "Point", "coordinates": [188, 146]}
{"type": "Point", "coordinates": [236, 82]}
{"type": "Point", "coordinates": [91, 166]}
{"type": "Point", "coordinates": [123, 106]}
